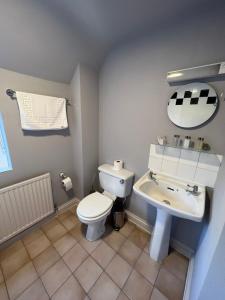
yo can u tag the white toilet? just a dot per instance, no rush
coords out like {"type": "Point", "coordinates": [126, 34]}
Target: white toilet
{"type": "Point", "coordinates": [94, 209]}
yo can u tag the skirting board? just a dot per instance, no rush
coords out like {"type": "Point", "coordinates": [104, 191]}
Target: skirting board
{"type": "Point", "coordinates": [67, 205]}
{"type": "Point", "coordinates": [187, 288]}
{"type": "Point", "coordinates": [178, 246]}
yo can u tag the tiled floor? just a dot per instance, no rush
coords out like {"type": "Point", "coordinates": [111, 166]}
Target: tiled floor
{"type": "Point", "coordinates": [57, 262]}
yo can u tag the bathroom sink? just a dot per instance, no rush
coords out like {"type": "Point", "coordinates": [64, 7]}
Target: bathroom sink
{"type": "Point", "coordinates": [171, 197]}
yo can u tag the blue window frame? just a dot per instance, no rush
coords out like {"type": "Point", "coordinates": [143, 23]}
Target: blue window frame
{"type": "Point", "coordinates": [5, 160]}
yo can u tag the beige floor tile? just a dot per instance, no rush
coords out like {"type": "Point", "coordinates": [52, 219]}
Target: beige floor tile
{"type": "Point", "coordinates": [64, 215]}
{"type": "Point", "coordinates": [122, 296]}
{"type": "Point", "coordinates": [13, 258]}
{"type": "Point", "coordinates": [157, 295]}
{"type": "Point", "coordinates": [54, 230]}
{"type": "Point", "coordinates": [70, 222]}
{"type": "Point", "coordinates": [139, 238]}
{"type": "Point", "coordinates": [89, 246]}
{"type": "Point", "coordinates": [70, 290]}
{"type": "Point", "coordinates": [35, 291]}
{"type": "Point", "coordinates": [74, 257]}
{"type": "Point", "coordinates": [10, 250]}
{"type": "Point", "coordinates": [104, 289]}
{"type": "Point", "coordinates": [73, 209]}
{"type": "Point", "coordinates": [103, 254]}
{"type": "Point", "coordinates": [1, 276]}
{"type": "Point", "coordinates": [147, 267]}
{"type": "Point", "coordinates": [88, 273]}
{"type": "Point", "coordinates": [137, 287]}
{"type": "Point", "coordinates": [65, 243]}
{"type": "Point", "coordinates": [3, 292]}
{"type": "Point", "coordinates": [171, 286]}
{"type": "Point", "coordinates": [55, 277]}
{"type": "Point", "coordinates": [36, 243]}
{"type": "Point", "coordinates": [32, 236]}
{"type": "Point", "coordinates": [118, 270]}
{"type": "Point", "coordinates": [115, 240]}
{"type": "Point", "coordinates": [176, 264]}
{"type": "Point", "coordinates": [78, 232]}
{"type": "Point", "coordinates": [129, 252]}
{"type": "Point", "coordinates": [147, 247]}
{"type": "Point", "coordinates": [45, 260]}
{"type": "Point", "coordinates": [17, 283]}
{"type": "Point", "coordinates": [127, 229]}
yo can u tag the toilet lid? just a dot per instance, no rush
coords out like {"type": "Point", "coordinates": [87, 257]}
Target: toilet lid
{"type": "Point", "coordinates": [94, 205]}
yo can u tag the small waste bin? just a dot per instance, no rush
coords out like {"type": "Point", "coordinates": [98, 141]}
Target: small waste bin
{"type": "Point", "coordinates": [118, 214]}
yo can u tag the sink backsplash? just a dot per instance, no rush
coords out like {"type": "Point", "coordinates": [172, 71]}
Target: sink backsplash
{"type": "Point", "coordinates": [199, 167]}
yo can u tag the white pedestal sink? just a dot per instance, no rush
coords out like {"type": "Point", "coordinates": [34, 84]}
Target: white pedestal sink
{"type": "Point", "coordinates": [171, 197]}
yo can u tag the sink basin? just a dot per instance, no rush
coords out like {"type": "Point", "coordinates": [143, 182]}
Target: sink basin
{"type": "Point", "coordinates": [171, 198]}
{"type": "Point", "coordinates": [171, 195]}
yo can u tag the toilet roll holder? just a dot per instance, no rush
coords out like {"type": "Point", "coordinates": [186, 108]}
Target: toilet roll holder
{"type": "Point", "coordinates": [62, 175]}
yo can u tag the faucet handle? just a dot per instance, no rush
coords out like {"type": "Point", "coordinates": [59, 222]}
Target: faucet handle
{"type": "Point", "coordinates": [194, 188]}
{"type": "Point", "coordinates": [151, 175]}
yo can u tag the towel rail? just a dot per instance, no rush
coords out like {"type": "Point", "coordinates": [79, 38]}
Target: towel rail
{"type": "Point", "coordinates": [12, 94]}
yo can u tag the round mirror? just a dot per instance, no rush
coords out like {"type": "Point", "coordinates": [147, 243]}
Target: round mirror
{"type": "Point", "coordinates": [192, 105]}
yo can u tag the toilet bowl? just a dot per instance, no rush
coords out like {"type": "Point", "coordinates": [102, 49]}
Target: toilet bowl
{"type": "Point", "coordinates": [93, 211]}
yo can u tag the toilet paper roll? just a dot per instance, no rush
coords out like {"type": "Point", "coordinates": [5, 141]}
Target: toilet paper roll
{"type": "Point", "coordinates": [67, 184]}
{"type": "Point", "coordinates": [118, 165]}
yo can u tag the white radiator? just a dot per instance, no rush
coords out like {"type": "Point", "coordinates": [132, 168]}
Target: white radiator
{"type": "Point", "coordinates": [24, 204]}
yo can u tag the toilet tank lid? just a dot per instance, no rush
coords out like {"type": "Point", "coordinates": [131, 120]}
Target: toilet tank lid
{"type": "Point", "coordinates": [109, 169]}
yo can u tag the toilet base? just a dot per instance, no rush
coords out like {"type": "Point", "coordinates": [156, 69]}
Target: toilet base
{"type": "Point", "coordinates": [95, 230]}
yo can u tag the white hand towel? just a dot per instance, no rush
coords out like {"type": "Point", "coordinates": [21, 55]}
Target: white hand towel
{"type": "Point", "coordinates": [38, 112]}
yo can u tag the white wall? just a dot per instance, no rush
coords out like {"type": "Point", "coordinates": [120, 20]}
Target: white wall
{"type": "Point", "coordinates": [133, 95]}
{"type": "Point", "coordinates": [209, 267]}
{"type": "Point", "coordinates": [213, 287]}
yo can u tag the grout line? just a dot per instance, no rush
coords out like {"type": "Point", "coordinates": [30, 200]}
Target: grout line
{"type": "Point", "coordinates": [89, 255]}
{"type": "Point", "coordinates": [94, 281]}
{"type": "Point", "coordinates": [39, 277]}
{"type": "Point", "coordinates": [4, 281]}
{"type": "Point", "coordinates": [71, 274]}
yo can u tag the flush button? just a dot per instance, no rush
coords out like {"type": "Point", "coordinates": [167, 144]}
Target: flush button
{"type": "Point", "coordinates": [122, 181]}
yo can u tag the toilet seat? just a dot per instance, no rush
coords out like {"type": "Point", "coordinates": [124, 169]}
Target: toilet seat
{"type": "Point", "coordinates": [94, 206]}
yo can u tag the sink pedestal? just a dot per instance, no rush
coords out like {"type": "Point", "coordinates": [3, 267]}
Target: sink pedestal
{"type": "Point", "coordinates": [161, 236]}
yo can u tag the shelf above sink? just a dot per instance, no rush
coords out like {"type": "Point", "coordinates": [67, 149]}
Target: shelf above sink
{"type": "Point", "coordinates": [169, 145]}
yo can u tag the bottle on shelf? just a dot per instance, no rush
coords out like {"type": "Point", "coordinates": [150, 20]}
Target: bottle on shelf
{"type": "Point", "coordinates": [187, 142]}
{"type": "Point", "coordinates": [200, 142]}
{"type": "Point", "coordinates": [176, 140]}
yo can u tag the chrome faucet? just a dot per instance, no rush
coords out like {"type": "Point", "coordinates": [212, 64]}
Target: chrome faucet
{"type": "Point", "coordinates": [152, 176]}
{"type": "Point", "coordinates": [192, 189]}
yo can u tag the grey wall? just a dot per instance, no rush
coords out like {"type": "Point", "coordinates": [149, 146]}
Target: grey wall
{"type": "Point", "coordinates": [133, 95]}
{"type": "Point", "coordinates": [74, 151]}
{"type": "Point", "coordinates": [76, 131]}
{"type": "Point", "coordinates": [84, 91]}
{"type": "Point", "coordinates": [35, 153]}
{"type": "Point", "coordinates": [209, 273]}
{"type": "Point", "coordinates": [39, 40]}
{"type": "Point", "coordinates": [89, 113]}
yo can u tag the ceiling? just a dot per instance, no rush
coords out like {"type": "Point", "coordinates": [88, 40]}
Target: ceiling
{"type": "Point", "coordinates": [48, 38]}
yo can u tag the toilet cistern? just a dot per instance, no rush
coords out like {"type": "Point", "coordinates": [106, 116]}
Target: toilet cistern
{"type": "Point", "coordinates": [94, 209]}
